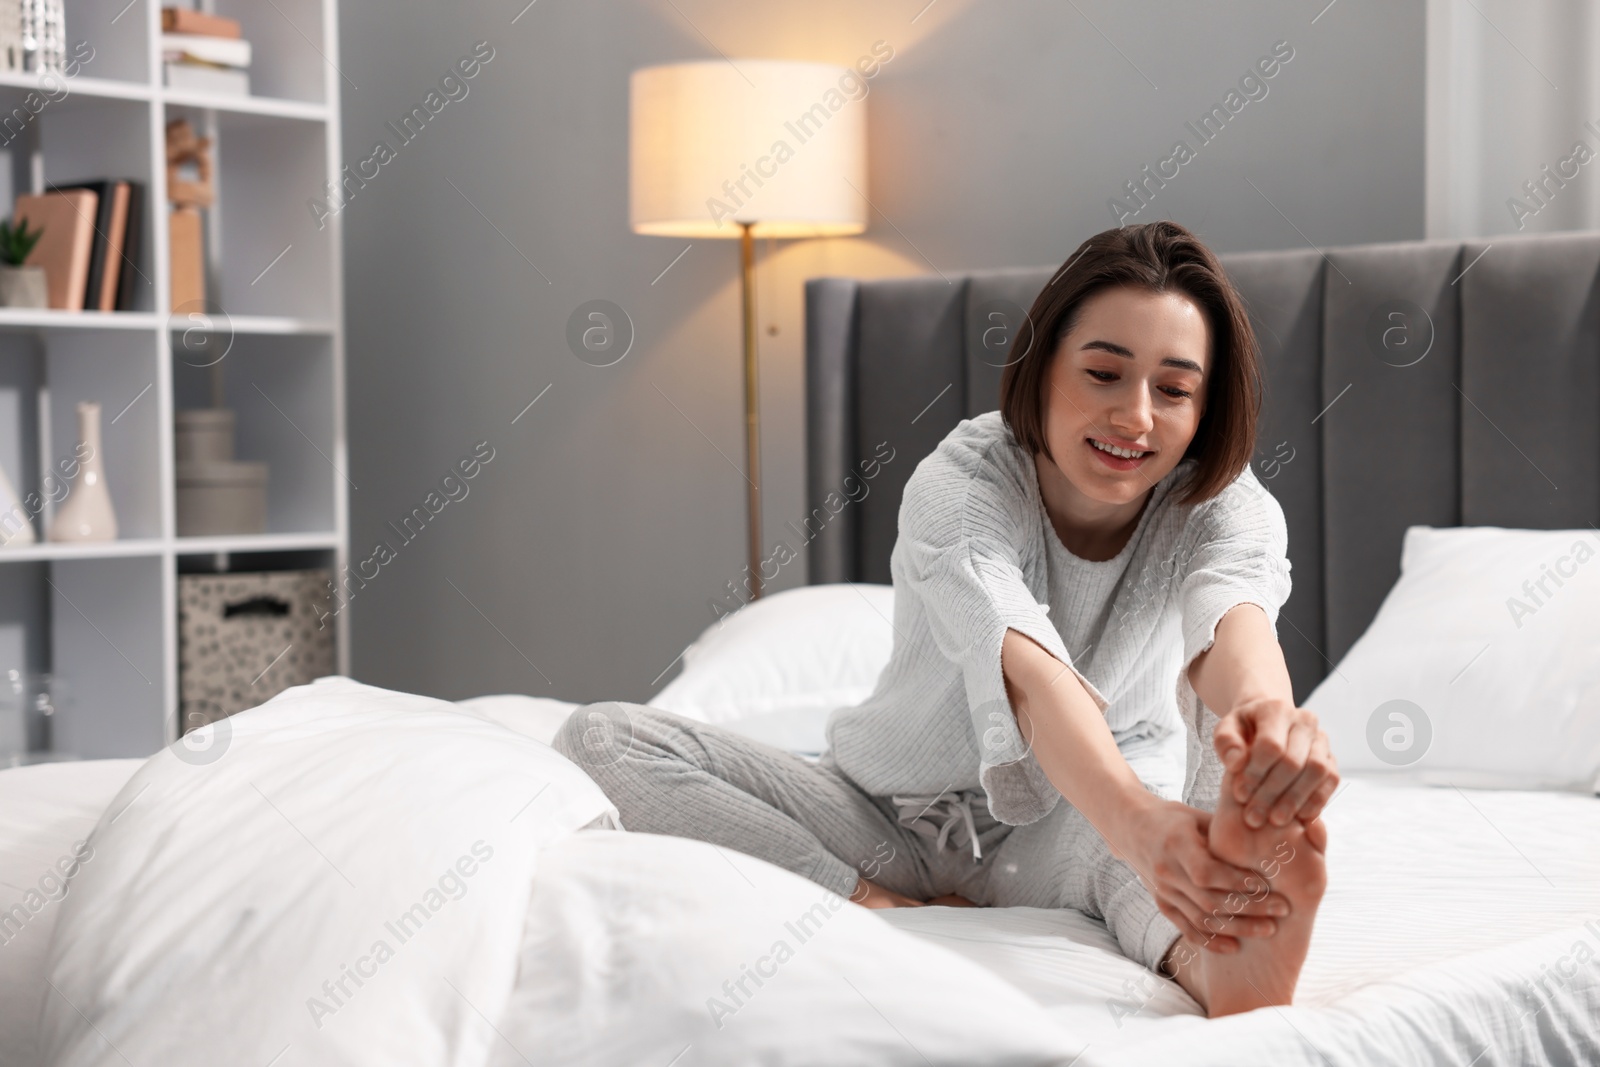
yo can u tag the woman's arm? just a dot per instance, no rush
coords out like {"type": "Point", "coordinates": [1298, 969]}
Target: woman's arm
{"type": "Point", "coordinates": [1280, 757]}
{"type": "Point", "coordinates": [1164, 841]}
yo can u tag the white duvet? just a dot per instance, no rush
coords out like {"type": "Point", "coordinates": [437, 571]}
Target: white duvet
{"type": "Point", "coordinates": [347, 875]}
{"type": "Point", "coordinates": [231, 913]}
{"type": "Point", "coordinates": [341, 878]}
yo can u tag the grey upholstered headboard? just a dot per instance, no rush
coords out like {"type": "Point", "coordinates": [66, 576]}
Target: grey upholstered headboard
{"type": "Point", "coordinates": [1441, 384]}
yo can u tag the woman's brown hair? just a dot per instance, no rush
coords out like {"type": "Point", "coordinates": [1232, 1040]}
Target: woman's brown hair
{"type": "Point", "coordinates": [1160, 257]}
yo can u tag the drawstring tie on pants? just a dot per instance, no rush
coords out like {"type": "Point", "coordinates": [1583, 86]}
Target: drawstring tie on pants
{"type": "Point", "coordinates": [942, 817]}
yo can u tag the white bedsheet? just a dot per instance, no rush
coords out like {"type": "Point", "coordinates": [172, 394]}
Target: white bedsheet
{"type": "Point", "coordinates": [1454, 932]}
{"type": "Point", "coordinates": [1459, 927]}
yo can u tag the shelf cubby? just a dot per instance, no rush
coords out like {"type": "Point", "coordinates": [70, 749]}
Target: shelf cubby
{"type": "Point", "coordinates": [281, 391]}
{"type": "Point", "coordinates": [269, 257]}
{"type": "Point", "coordinates": [289, 64]}
{"type": "Point", "coordinates": [79, 137]}
{"type": "Point", "coordinates": [117, 370]}
{"type": "Point", "coordinates": [118, 33]}
{"type": "Point", "coordinates": [107, 643]}
{"type": "Point", "coordinates": [46, 375]}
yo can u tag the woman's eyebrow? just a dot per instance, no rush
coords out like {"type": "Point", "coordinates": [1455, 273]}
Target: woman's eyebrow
{"type": "Point", "coordinates": [1118, 350]}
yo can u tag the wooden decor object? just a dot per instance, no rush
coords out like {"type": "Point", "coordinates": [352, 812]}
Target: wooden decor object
{"type": "Point", "coordinates": [184, 148]}
{"type": "Point", "coordinates": [187, 242]}
{"type": "Point", "coordinates": [186, 230]}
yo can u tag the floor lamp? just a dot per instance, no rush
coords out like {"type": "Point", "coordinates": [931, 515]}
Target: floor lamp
{"type": "Point", "coordinates": [748, 148]}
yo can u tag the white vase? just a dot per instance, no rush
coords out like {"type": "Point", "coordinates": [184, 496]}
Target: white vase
{"type": "Point", "coordinates": [86, 514]}
{"type": "Point", "coordinates": [16, 525]}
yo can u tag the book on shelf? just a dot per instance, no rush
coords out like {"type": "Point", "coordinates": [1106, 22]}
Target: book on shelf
{"type": "Point", "coordinates": [187, 20]}
{"type": "Point", "coordinates": [199, 48]}
{"type": "Point", "coordinates": [204, 78]}
{"type": "Point", "coordinates": [206, 63]}
{"type": "Point", "coordinates": [128, 274]}
{"type": "Point", "coordinates": [66, 222]}
{"type": "Point", "coordinates": [110, 230]}
{"type": "Point", "coordinates": [111, 217]}
{"type": "Point", "coordinates": [111, 262]}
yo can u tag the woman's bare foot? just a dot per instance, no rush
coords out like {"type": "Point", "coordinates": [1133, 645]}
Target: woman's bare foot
{"type": "Point", "coordinates": [872, 895]}
{"type": "Point", "coordinates": [1264, 970]}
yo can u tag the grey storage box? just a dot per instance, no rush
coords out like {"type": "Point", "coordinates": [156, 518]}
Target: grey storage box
{"type": "Point", "coordinates": [243, 638]}
{"type": "Point", "coordinates": [221, 498]}
{"type": "Point", "coordinates": [203, 434]}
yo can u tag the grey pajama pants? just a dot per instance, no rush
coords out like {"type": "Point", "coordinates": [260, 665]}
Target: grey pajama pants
{"type": "Point", "coordinates": [671, 775]}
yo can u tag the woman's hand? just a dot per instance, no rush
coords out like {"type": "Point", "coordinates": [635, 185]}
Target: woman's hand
{"type": "Point", "coordinates": [1207, 899]}
{"type": "Point", "coordinates": [1281, 762]}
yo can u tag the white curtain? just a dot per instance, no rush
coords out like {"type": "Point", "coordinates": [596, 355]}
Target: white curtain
{"type": "Point", "coordinates": [1513, 117]}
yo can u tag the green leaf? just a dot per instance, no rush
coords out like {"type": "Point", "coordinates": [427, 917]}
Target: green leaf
{"type": "Point", "coordinates": [17, 242]}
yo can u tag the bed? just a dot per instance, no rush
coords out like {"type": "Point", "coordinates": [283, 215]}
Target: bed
{"type": "Point", "coordinates": [1443, 939]}
{"type": "Point", "coordinates": [1462, 923]}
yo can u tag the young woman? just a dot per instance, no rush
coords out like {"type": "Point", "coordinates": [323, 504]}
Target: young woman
{"type": "Point", "coordinates": [1086, 705]}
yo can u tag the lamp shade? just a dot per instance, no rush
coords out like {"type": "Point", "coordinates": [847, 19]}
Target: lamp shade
{"type": "Point", "coordinates": [775, 143]}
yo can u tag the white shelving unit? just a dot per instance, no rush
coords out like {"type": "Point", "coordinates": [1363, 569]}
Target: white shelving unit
{"type": "Point", "coordinates": [103, 618]}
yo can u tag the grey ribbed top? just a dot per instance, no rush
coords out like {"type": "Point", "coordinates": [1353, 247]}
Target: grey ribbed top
{"type": "Point", "coordinates": [976, 555]}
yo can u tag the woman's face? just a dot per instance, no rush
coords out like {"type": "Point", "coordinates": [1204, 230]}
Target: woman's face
{"type": "Point", "coordinates": [1130, 375]}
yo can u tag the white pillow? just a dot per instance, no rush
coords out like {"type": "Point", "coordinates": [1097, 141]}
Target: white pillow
{"type": "Point", "coordinates": [807, 651]}
{"type": "Point", "coordinates": [1482, 667]}
{"type": "Point", "coordinates": [243, 881]}
{"type": "Point", "coordinates": [639, 948]}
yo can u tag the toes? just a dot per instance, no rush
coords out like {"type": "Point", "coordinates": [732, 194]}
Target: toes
{"type": "Point", "coordinates": [1317, 834]}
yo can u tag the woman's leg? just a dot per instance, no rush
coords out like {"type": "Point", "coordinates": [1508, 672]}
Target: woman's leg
{"type": "Point", "coordinates": [1061, 861]}
{"type": "Point", "coordinates": [671, 775]}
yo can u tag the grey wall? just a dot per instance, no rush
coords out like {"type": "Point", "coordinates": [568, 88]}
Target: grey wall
{"type": "Point", "coordinates": [589, 551]}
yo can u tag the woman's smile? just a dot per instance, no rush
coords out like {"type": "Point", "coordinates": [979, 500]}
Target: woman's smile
{"type": "Point", "coordinates": [1118, 455]}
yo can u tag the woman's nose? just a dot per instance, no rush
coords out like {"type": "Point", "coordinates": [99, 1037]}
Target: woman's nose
{"type": "Point", "coordinates": [1133, 416]}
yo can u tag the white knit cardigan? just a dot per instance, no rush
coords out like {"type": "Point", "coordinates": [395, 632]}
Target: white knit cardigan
{"type": "Point", "coordinates": [976, 555]}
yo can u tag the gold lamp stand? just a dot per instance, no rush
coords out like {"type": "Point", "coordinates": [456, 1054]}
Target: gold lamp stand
{"type": "Point", "coordinates": [752, 404]}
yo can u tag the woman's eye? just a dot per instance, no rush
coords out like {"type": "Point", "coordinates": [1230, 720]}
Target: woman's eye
{"type": "Point", "coordinates": [1101, 375]}
{"type": "Point", "coordinates": [1177, 394]}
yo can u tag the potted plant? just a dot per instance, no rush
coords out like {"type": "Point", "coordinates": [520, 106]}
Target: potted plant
{"type": "Point", "coordinates": [20, 286]}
